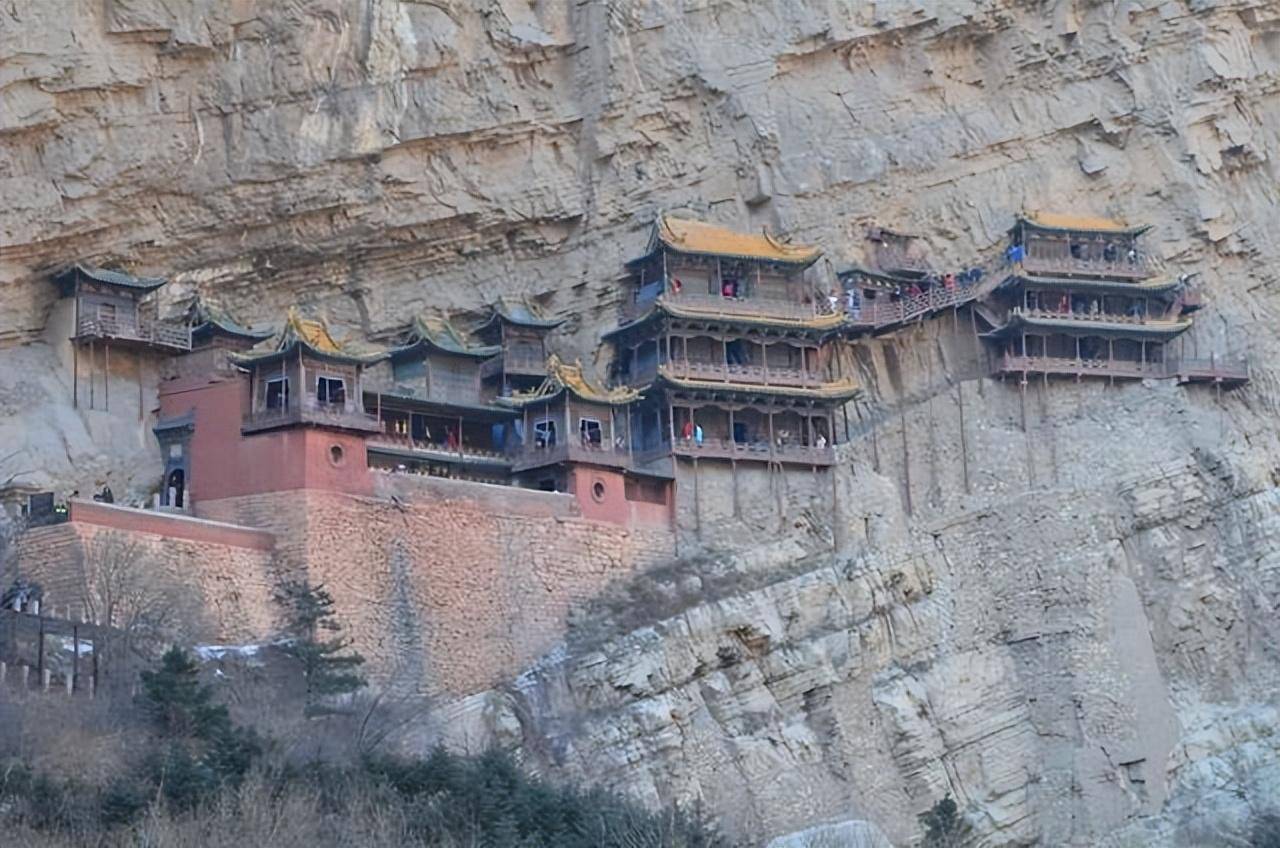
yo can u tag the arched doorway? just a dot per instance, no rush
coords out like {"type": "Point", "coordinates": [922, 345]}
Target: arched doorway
{"type": "Point", "coordinates": [175, 486]}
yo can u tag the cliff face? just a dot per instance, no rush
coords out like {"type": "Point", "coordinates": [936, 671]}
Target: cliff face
{"type": "Point", "coordinates": [1072, 628]}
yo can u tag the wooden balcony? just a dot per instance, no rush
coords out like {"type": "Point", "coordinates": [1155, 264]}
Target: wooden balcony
{"type": "Point", "coordinates": [1230, 372]}
{"type": "Point", "coordinates": [758, 375]}
{"type": "Point", "coordinates": [1052, 261]}
{"type": "Point", "coordinates": [714, 306]}
{"type": "Point", "coordinates": [314, 413]}
{"type": "Point", "coordinates": [139, 331]}
{"type": "Point", "coordinates": [533, 456]}
{"type": "Point", "coordinates": [727, 449]}
{"type": "Point", "coordinates": [402, 445]}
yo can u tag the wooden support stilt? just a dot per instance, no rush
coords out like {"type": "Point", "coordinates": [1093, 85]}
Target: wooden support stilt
{"type": "Point", "coordinates": [140, 401]}
{"type": "Point", "coordinates": [697, 500]}
{"type": "Point", "coordinates": [964, 444]}
{"type": "Point", "coordinates": [75, 374]}
{"type": "Point", "coordinates": [906, 459]}
{"type": "Point", "coordinates": [93, 366]}
{"type": "Point", "coordinates": [1026, 436]}
{"type": "Point", "coordinates": [106, 376]}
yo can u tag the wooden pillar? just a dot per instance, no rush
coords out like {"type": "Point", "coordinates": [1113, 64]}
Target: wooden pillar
{"type": "Point", "coordinates": [459, 437]}
{"type": "Point", "coordinates": [75, 374]}
{"type": "Point", "coordinates": [772, 440]}
{"type": "Point", "coordinates": [906, 459]}
{"type": "Point", "coordinates": [697, 499]}
{"type": "Point", "coordinates": [93, 366]}
{"type": "Point", "coordinates": [844, 408]}
{"type": "Point", "coordinates": [140, 401]}
{"type": "Point", "coordinates": [964, 445]}
{"type": "Point", "coordinates": [733, 462]}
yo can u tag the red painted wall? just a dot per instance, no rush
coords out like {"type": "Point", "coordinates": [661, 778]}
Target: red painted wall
{"type": "Point", "coordinates": [168, 525]}
{"type": "Point", "coordinates": [612, 505]}
{"type": "Point", "coordinates": [223, 463]}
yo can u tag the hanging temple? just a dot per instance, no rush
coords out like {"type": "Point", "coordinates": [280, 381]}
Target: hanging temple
{"type": "Point", "coordinates": [726, 351]}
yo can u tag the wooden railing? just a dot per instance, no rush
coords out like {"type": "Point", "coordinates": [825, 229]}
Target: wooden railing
{"type": "Point", "coordinates": [1096, 317]}
{"type": "Point", "coordinates": [713, 306]}
{"type": "Point", "coordinates": [311, 411]}
{"type": "Point", "coordinates": [434, 450]}
{"type": "Point", "coordinates": [1052, 261]}
{"type": "Point", "coordinates": [1215, 370]}
{"type": "Point", "coordinates": [528, 364]}
{"type": "Point", "coordinates": [148, 330]}
{"type": "Point", "coordinates": [888, 312]}
{"type": "Point", "coordinates": [757, 451]}
{"type": "Point", "coordinates": [533, 455]}
{"type": "Point", "coordinates": [755, 374]}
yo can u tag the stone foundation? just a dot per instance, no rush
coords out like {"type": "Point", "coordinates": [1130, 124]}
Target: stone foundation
{"type": "Point", "coordinates": [446, 587]}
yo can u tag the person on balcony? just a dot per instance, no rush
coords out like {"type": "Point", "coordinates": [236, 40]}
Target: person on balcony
{"type": "Point", "coordinates": [949, 282]}
{"type": "Point", "coordinates": [686, 432]}
{"type": "Point", "coordinates": [697, 435]}
{"type": "Point", "coordinates": [1110, 252]}
{"type": "Point", "coordinates": [821, 441]}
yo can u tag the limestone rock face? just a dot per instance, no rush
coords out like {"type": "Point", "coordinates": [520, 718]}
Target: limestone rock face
{"type": "Point", "coordinates": [1055, 603]}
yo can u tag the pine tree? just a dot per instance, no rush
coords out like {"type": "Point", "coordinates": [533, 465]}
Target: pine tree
{"type": "Point", "coordinates": [178, 703]}
{"type": "Point", "coordinates": [205, 749]}
{"type": "Point", "coordinates": [329, 666]}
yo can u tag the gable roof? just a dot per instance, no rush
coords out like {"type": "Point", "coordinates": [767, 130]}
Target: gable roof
{"type": "Point", "coordinates": [66, 278]}
{"type": "Point", "coordinates": [209, 319]}
{"type": "Point", "coordinates": [563, 377]}
{"type": "Point", "coordinates": [314, 337]}
{"type": "Point", "coordinates": [1078, 223]}
{"type": "Point", "coordinates": [698, 237]}
{"type": "Point", "coordinates": [440, 334]}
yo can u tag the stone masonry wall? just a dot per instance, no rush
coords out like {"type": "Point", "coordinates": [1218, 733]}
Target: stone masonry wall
{"type": "Point", "coordinates": [449, 587]}
{"type": "Point", "coordinates": [227, 585]}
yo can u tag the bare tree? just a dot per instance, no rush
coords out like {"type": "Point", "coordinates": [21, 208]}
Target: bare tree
{"type": "Point", "coordinates": [128, 587]}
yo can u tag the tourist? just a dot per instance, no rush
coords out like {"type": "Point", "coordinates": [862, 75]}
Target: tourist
{"type": "Point", "coordinates": [697, 435]}
{"type": "Point", "coordinates": [1109, 252]}
{"type": "Point", "coordinates": [822, 441]}
{"type": "Point", "coordinates": [676, 285]}
{"type": "Point", "coordinates": [686, 432]}
{"type": "Point", "coordinates": [949, 282]}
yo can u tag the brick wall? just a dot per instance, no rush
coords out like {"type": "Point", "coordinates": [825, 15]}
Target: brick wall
{"type": "Point", "coordinates": [449, 587]}
{"type": "Point", "coordinates": [229, 582]}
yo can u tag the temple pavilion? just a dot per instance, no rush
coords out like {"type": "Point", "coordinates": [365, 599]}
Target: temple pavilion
{"type": "Point", "coordinates": [519, 329]}
{"type": "Point", "coordinates": [435, 396]}
{"type": "Point", "coordinates": [306, 377]}
{"type": "Point", "coordinates": [734, 347]}
{"type": "Point", "coordinates": [110, 310]}
{"type": "Point", "coordinates": [1085, 299]}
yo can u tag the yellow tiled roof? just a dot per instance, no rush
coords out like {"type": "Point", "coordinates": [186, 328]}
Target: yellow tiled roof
{"type": "Point", "coordinates": [673, 306]}
{"type": "Point", "coordinates": [700, 237]}
{"type": "Point", "coordinates": [563, 376]}
{"type": "Point", "coordinates": [843, 388]}
{"type": "Point", "coordinates": [313, 333]}
{"type": "Point", "coordinates": [1077, 222]}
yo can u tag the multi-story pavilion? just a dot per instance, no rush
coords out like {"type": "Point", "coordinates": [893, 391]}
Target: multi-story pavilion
{"type": "Point", "coordinates": [437, 406]}
{"type": "Point", "coordinates": [519, 330]}
{"type": "Point", "coordinates": [736, 348]}
{"type": "Point", "coordinates": [1084, 299]}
